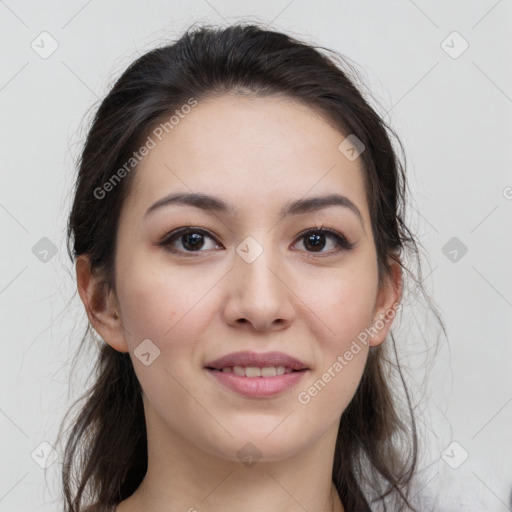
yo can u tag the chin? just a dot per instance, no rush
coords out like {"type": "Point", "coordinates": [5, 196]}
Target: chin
{"type": "Point", "coordinates": [272, 442]}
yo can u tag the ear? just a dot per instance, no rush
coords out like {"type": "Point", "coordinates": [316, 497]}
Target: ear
{"type": "Point", "coordinates": [100, 304]}
{"type": "Point", "coordinates": [387, 303]}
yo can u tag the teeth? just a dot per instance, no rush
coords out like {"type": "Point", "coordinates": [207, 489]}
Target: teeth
{"type": "Point", "coordinates": [269, 371]}
{"type": "Point", "coordinates": [254, 371]}
{"type": "Point", "coordinates": [238, 370]}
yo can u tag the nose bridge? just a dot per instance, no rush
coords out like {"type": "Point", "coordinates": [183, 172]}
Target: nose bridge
{"type": "Point", "coordinates": [258, 263]}
{"type": "Point", "coordinates": [259, 292]}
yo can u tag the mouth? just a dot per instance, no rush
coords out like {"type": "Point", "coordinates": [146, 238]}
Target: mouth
{"type": "Point", "coordinates": [254, 364]}
{"type": "Point", "coordinates": [256, 371]}
{"type": "Point", "coordinates": [257, 375]}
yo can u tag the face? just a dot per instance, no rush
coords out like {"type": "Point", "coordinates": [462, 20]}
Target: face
{"type": "Point", "coordinates": [196, 283]}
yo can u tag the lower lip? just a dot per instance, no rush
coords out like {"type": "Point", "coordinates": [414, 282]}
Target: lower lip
{"type": "Point", "coordinates": [257, 386]}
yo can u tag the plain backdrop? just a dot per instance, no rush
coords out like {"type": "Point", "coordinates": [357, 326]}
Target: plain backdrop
{"type": "Point", "coordinates": [441, 73]}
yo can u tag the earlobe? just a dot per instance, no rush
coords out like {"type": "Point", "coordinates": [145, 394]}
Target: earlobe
{"type": "Point", "coordinates": [387, 304]}
{"type": "Point", "coordinates": [100, 304]}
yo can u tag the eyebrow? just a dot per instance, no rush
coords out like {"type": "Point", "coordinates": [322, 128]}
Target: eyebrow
{"type": "Point", "coordinates": [296, 207]}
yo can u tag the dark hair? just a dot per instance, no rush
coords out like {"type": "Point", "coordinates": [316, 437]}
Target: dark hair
{"type": "Point", "coordinates": [376, 451]}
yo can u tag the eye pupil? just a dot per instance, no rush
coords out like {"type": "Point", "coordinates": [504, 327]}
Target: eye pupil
{"type": "Point", "coordinates": [315, 241]}
{"type": "Point", "coordinates": [195, 240]}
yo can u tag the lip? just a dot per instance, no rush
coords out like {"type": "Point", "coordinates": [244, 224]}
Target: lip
{"type": "Point", "coordinates": [260, 360]}
{"type": "Point", "coordinates": [257, 387]}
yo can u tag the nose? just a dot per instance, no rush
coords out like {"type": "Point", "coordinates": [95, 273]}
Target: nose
{"type": "Point", "coordinates": [259, 294]}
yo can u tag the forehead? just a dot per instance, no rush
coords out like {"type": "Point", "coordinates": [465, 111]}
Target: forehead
{"type": "Point", "coordinates": [265, 150]}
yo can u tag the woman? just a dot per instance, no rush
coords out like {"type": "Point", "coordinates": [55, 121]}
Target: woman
{"type": "Point", "coordinates": [239, 240]}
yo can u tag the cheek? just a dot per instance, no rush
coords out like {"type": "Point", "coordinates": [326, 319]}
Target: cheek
{"type": "Point", "coordinates": [165, 308]}
{"type": "Point", "coordinates": [156, 301]}
{"type": "Point", "coordinates": [343, 302]}
{"type": "Point", "coordinates": [343, 308]}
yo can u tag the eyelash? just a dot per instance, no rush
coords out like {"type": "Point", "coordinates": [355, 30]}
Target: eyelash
{"type": "Point", "coordinates": [342, 243]}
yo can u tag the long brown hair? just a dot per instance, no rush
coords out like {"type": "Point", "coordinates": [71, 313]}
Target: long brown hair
{"type": "Point", "coordinates": [105, 457]}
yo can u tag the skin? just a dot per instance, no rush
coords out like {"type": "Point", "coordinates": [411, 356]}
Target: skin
{"type": "Point", "coordinates": [258, 154]}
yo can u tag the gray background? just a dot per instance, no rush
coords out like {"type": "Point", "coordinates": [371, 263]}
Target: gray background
{"type": "Point", "coordinates": [452, 113]}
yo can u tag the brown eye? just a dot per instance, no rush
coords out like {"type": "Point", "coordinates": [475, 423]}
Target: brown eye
{"type": "Point", "coordinates": [315, 240]}
{"type": "Point", "coordinates": [188, 240]}
{"type": "Point", "coordinates": [192, 241]}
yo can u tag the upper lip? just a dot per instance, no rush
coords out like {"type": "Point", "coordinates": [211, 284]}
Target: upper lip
{"type": "Point", "coordinates": [260, 360]}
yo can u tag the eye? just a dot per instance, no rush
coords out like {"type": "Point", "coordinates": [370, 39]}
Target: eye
{"type": "Point", "coordinates": [190, 238]}
{"type": "Point", "coordinates": [315, 240]}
